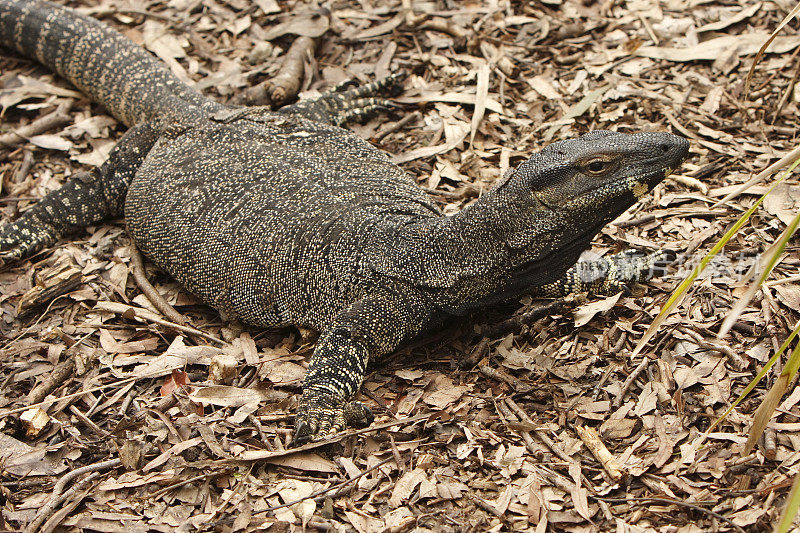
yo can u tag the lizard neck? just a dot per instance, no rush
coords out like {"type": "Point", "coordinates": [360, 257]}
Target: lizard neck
{"type": "Point", "coordinates": [498, 233]}
{"type": "Point", "coordinates": [478, 253]}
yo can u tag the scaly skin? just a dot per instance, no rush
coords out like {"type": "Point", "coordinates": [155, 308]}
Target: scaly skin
{"type": "Point", "coordinates": [279, 218]}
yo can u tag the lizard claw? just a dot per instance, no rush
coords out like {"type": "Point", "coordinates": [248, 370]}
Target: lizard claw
{"type": "Point", "coordinates": [323, 413]}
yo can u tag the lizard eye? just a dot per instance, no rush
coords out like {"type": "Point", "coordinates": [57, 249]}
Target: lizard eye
{"type": "Point", "coordinates": [598, 167]}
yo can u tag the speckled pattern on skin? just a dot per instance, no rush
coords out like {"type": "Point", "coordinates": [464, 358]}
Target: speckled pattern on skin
{"type": "Point", "coordinates": [283, 217]}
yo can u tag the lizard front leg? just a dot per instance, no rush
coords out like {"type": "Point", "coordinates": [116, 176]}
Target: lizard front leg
{"type": "Point", "coordinates": [87, 198]}
{"type": "Point", "coordinates": [608, 275]}
{"type": "Point", "coordinates": [371, 327]}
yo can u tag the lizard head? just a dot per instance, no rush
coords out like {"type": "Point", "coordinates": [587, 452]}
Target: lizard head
{"type": "Point", "coordinates": [600, 170]}
{"type": "Point", "coordinates": [574, 187]}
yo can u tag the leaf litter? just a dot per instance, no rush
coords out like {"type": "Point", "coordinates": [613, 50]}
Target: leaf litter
{"type": "Point", "coordinates": [541, 422]}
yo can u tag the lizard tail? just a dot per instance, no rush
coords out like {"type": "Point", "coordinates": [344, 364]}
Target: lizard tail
{"type": "Point", "coordinates": [132, 84]}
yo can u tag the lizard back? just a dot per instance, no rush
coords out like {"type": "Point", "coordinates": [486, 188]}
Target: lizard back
{"type": "Point", "coordinates": [275, 214]}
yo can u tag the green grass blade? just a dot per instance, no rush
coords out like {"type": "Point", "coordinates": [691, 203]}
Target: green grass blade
{"type": "Point", "coordinates": [771, 401]}
{"type": "Point", "coordinates": [758, 377]}
{"type": "Point", "coordinates": [790, 510]}
{"type": "Point", "coordinates": [677, 295]}
{"type": "Point", "coordinates": [741, 305]}
{"type": "Point", "coordinates": [763, 48]}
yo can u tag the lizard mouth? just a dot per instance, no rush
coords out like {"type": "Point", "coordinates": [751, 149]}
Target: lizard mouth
{"type": "Point", "coordinates": [626, 189]}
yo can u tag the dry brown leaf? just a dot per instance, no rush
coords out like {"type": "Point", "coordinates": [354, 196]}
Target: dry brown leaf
{"type": "Point", "coordinates": [51, 142]}
{"type": "Point", "coordinates": [227, 396]}
{"type": "Point", "coordinates": [307, 462]}
{"type": "Point", "coordinates": [745, 45]}
{"type": "Point", "coordinates": [307, 25]}
{"type": "Point", "coordinates": [20, 459]}
{"type": "Point", "coordinates": [405, 486]}
{"type": "Point", "coordinates": [481, 95]}
{"type": "Point", "coordinates": [744, 14]}
{"type": "Point", "coordinates": [177, 449]}
{"type": "Point", "coordinates": [587, 311]}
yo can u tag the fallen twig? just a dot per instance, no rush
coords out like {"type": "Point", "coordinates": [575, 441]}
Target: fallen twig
{"type": "Point", "coordinates": [58, 488]}
{"type": "Point", "coordinates": [318, 495]}
{"type": "Point", "coordinates": [667, 501]}
{"type": "Point", "coordinates": [541, 435]}
{"type": "Point", "coordinates": [24, 168]}
{"type": "Point", "coordinates": [59, 496]}
{"type": "Point", "coordinates": [150, 292]}
{"type": "Point", "coordinates": [286, 83]}
{"type": "Point", "coordinates": [516, 384]}
{"type": "Point", "coordinates": [260, 455]}
{"type": "Point", "coordinates": [394, 126]}
{"type": "Point", "coordinates": [629, 381]}
{"type": "Point", "coordinates": [591, 439]}
{"type": "Point", "coordinates": [69, 504]}
{"type": "Point", "coordinates": [179, 484]}
{"type": "Point", "coordinates": [149, 316]}
{"type": "Point", "coordinates": [57, 377]}
{"type": "Point", "coordinates": [332, 488]}
{"type": "Point", "coordinates": [57, 118]}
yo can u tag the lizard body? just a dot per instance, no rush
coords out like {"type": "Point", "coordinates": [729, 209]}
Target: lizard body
{"type": "Point", "coordinates": [284, 217]}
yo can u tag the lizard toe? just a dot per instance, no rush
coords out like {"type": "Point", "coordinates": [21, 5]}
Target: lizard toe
{"type": "Point", "coordinates": [303, 432]}
{"type": "Point", "coordinates": [357, 414]}
{"type": "Point", "coordinates": [323, 413]}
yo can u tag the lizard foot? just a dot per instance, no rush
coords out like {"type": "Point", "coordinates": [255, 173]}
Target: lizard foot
{"type": "Point", "coordinates": [24, 238]}
{"type": "Point", "coordinates": [323, 413]}
{"type": "Point", "coordinates": [362, 109]}
{"type": "Point", "coordinates": [631, 266]}
{"type": "Point", "coordinates": [609, 275]}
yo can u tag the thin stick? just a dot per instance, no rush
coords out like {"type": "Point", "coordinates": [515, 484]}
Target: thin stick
{"type": "Point", "coordinates": [629, 381]}
{"type": "Point", "coordinates": [329, 489]}
{"type": "Point", "coordinates": [88, 421]}
{"type": "Point", "coordinates": [150, 292]}
{"type": "Point", "coordinates": [260, 455]}
{"type": "Point", "coordinates": [672, 502]}
{"type": "Point", "coordinates": [149, 316]}
{"type": "Point", "coordinates": [518, 386]}
{"type": "Point", "coordinates": [56, 377]}
{"type": "Point", "coordinates": [546, 440]}
{"type": "Point", "coordinates": [57, 118]}
{"type": "Point", "coordinates": [87, 391]}
{"type": "Point", "coordinates": [592, 440]}
{"type": "Point", "coordinates": [59, 496]}
{"type": "Point", "coordinates": [286, 83]}
{"type": "Point", "coordinates": [58, 488]}
{"type": "Point", "coordinates": [24, 168]}
{"type": "Point", "coordinates": [394, 126]}
{"type": "Point", "coordinates": [761, 176]}
{"type": "Point", "coordinates": [179, 484]}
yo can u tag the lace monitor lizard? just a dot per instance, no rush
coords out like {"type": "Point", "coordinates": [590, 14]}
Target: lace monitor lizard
{"type": "Point", "coordinates": [284, 217]}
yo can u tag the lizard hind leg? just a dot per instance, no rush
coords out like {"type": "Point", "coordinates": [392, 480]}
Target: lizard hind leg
{"type": "Point", "coordinates": [87, 198]}
{"type": "Point", "coordinates": [346, 103]}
